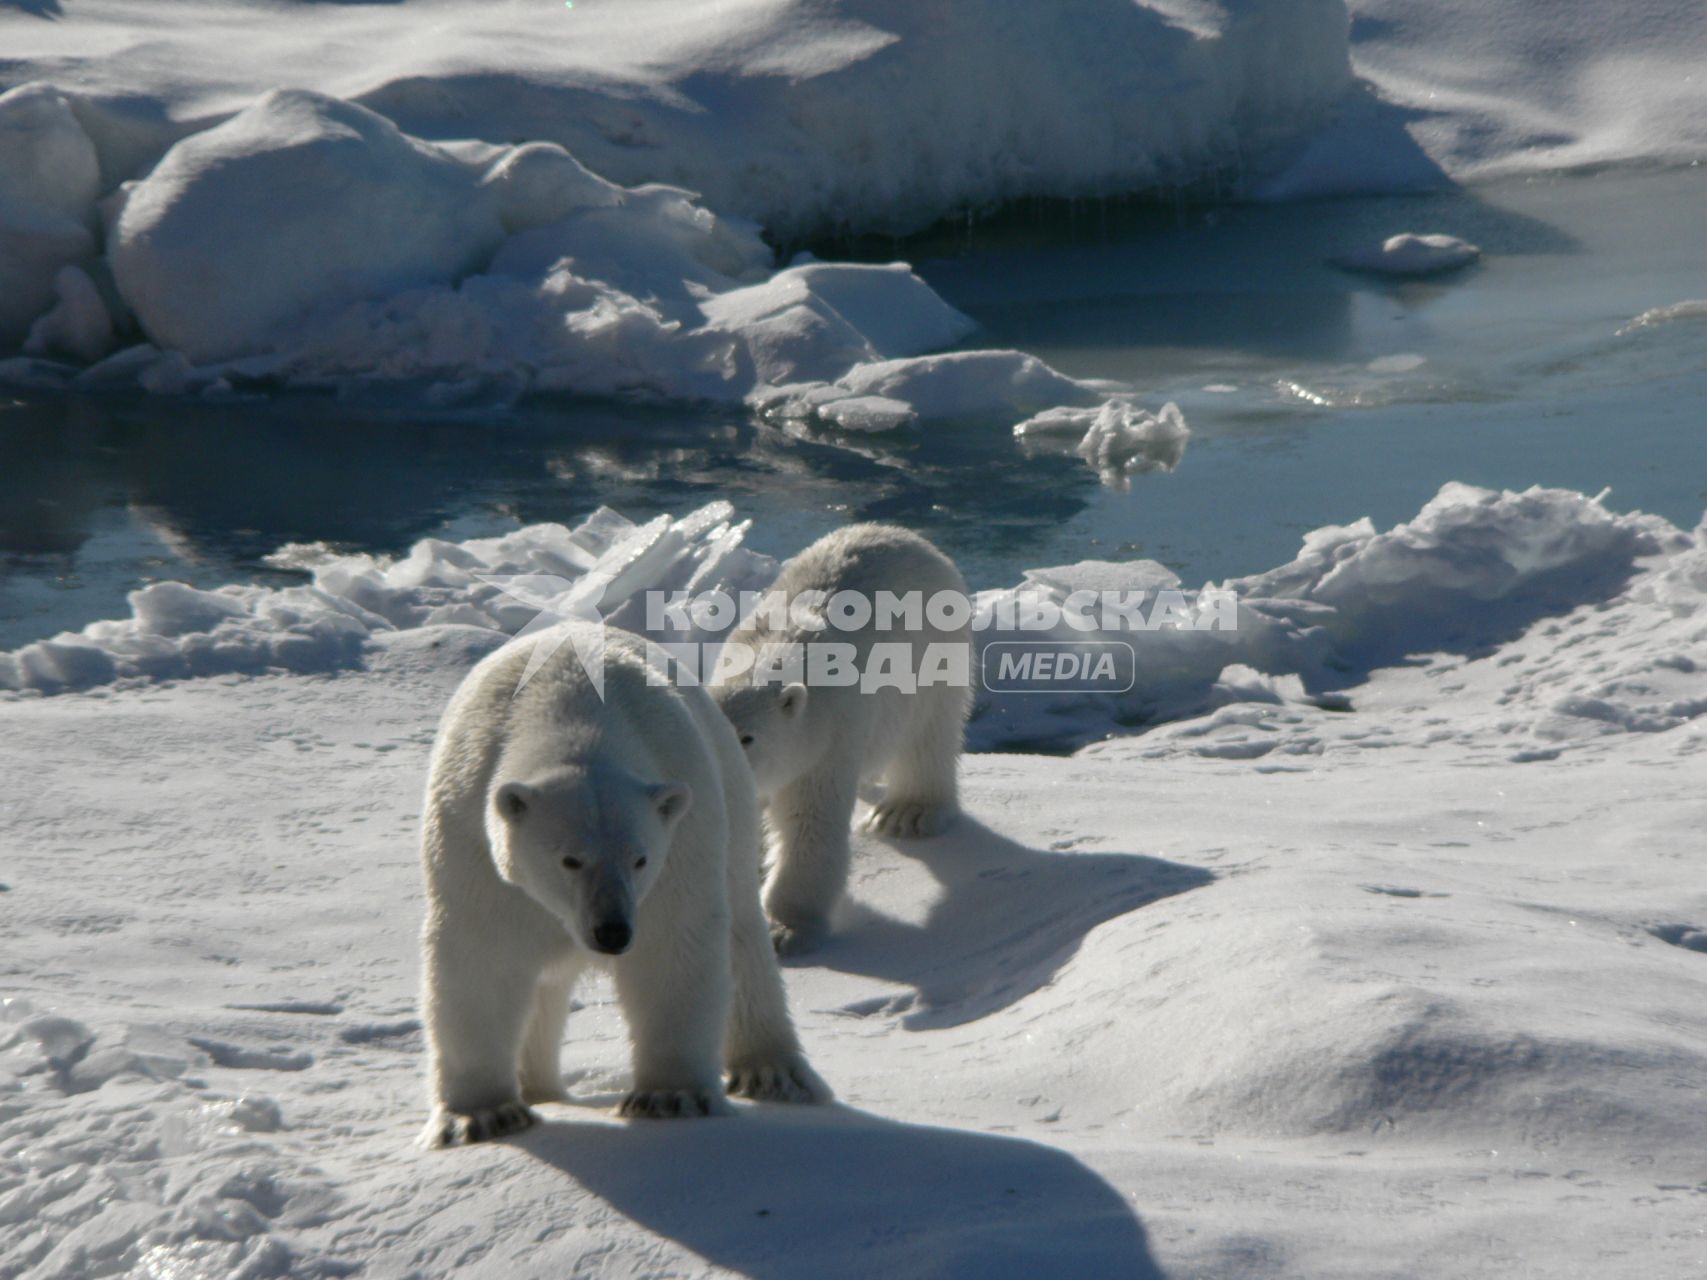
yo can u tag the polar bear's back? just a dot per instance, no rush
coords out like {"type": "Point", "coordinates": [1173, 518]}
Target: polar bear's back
{"type": "Point", "coordinates": [869, 558]}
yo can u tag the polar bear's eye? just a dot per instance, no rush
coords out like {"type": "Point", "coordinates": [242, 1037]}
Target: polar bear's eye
{"type": "Point", "coordinates": [574, 864]}
{"type": "Point", "coordinates": [640, 862]}
{"type": "Point", "coordinates": [747, 739]}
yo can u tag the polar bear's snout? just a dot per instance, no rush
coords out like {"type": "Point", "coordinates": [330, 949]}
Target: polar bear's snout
{"type": "Point", "coordinates": [608, 923]}
{"type": "Point", "coordinates": [612, 937]}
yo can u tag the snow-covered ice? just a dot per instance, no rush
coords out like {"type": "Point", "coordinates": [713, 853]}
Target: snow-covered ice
{"type": "Point", "coordinates": [295, 201]}
{"type": "Point", "coordinates": [497, 226]}
{"type": "Point", "coordinates": [1532, 86]}
{"type": "Point", "coordinates": [1411, 255]}
{"type": "Point", "coordinates": [510, 269]}
{"type": "Point", "coordinates": [1117, 440]}
{"type": "Point", "coordinates": [800, 115]}
{"type": "Point", "coordinates": [177, 631]}
{"type": "Point", "coordinates": [1472, 570]}
{"type": "Point", "coordinates": [1654, 317]}
{"type": "Point", "coordinates": [307, 242]}
{"type": "Point", "coordinates": [427, 219]}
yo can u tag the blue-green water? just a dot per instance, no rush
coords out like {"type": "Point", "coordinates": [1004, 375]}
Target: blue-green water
{"type": "Point", "coordinates": [1315, 397]}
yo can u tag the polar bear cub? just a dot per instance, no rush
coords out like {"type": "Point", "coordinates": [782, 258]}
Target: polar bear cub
{"type": "Point", "coordinates": [563, 830]}
{"type": "Point", "coordinates": [813, 741]}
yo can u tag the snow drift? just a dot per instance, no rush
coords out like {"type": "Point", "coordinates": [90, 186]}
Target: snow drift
{"type": "Point", "coordinates": [1529, 86]}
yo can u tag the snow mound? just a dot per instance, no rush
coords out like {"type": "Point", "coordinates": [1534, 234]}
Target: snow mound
{"type": "Point", "coordinates": [50, 177]}
{"type": "Point", "coordinates": [1631, 664]}
{"type": "Point", "coordinates": [1501, 1050]}
{"type": "Point", "coordinates": [297, 200]}
{"type": "Point", "coordinates": [1410, 255]}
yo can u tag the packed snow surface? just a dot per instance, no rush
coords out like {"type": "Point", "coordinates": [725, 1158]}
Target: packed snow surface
{"type": "Point", "coordinates": [1406, 981]}
{"type": "Point", "coordinates": [1525, 86]}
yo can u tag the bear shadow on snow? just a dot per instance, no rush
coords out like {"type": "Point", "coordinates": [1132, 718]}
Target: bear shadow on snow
{"type": "Point", "coordinates": [831, 1192]}
{"type": "Point", "coordinates": [1006, 919]}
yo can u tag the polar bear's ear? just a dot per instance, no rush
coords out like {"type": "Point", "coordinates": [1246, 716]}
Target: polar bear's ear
{"type": "Point", "coordinates": [513, 799]}
{"type": "Point", "coordinates": [671, 799]}
{"type": "Point", "coordinates": [793, 700]}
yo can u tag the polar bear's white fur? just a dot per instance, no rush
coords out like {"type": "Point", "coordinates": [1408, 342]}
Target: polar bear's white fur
{"type": "Point", "coordinates": [812, 744]}
{"type": "Point", "coordinates": [563, 830]}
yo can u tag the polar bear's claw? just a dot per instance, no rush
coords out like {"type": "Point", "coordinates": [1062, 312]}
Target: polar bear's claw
{"type": "Point", "coordinates": [796, 939]}
{"type": "Point", "coordinates": [787, 1079]}
{"type": "Point", "coordinates": [909, 819]}
{"type": "Point", "coordinates": [673, 1104]}
{"type": "Point", "coordinates": [455, 1129]}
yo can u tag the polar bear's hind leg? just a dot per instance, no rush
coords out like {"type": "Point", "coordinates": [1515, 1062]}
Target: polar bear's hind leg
{"type": "Point", "coordinates": [541, 1067]}
{"type": "Point", "coordinates": [810, 819]}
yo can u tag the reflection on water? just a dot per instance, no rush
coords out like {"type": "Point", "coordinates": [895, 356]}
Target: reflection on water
{"type": "Point", "coordinates": [1314, 397]}
{"type": "Point", "coordinates": [98, 496]}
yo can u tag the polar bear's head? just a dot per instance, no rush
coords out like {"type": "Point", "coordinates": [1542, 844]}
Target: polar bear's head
{"type": "Point", "coordinates": [771, 723]}
{"type": "Point", "coordinates": [586, 843]}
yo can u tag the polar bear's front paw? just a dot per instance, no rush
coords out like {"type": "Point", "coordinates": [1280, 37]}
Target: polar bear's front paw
{"type": "Point", "coordinates": [457, 1128]}
{"type": "Point", "coordinates": [673, 1104]}
{"type": "Point", "coordinates": [786, 1078]}
{"type": "Point", "coordinates": [910, 819]}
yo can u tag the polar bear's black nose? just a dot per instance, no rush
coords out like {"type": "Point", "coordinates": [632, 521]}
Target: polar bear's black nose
{"type": "Point", "coordinates": [612, 937]}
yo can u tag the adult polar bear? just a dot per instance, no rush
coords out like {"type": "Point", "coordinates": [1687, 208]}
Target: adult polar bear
{"type": "Point", "coordinates": [563, 829]}
{"type": "Point", "coordinates": [812, 744]}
